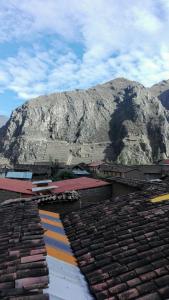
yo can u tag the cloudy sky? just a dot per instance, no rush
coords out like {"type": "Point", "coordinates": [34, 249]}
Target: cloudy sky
{"type": "Point", "coordinates": [54, 45]}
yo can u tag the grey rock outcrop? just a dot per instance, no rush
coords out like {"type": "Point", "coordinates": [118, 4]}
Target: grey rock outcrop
{"type": "Point", "coordinates": [120, 121]}
{"type": "Point", "coordinates": [161, 90]}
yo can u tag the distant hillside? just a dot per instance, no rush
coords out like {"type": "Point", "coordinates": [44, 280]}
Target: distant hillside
{"type": "Point", "coordinates": [3, 120]}
{"type": "Point", "coordinates": [120, 120]}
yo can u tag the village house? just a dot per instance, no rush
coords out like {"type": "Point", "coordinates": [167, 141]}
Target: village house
{"type": "Point", "coordinates": [104, 251]}
{"type": "Point", "coordinates": [37, 262]}
{"type": "Point", "coordinates": [94, 166]}
{"type": "Point", "coordinates": [19, 175]}
{"type": "Point", "coordinates": [124, 186]}
{"type": "Point", "coordinates": [140, 172]}
{"type": "Point", "coordinates": [39, 170]}
{"type": "Point", "coordinates": [79, 171]}
{"type": "Point", "coordinates": [121, 245]}
{"type": "Point", "coordinates": [110, 170]}
{"type": "Point", "coordinates": [90, 191]}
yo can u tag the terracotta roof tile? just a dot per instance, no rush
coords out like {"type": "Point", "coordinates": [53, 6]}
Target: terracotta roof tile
{"type": "Point", "coordinates": [23, 269]}
{"type": "Point", "coordinates": [122, 246]}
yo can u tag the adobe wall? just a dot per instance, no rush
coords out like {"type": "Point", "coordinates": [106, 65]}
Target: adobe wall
{"type": "Point", "coordinates": [119, 189]}
{"type": "Point", "coordinates": [87, 197]}
{"type": "Point", "coordinates": [5, 195]}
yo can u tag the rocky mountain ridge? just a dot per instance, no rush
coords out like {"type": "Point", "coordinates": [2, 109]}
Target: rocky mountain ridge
{"type": "Point", "coordinates": [120, 120]}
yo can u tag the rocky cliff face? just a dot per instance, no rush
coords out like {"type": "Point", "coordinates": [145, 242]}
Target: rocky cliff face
{"type": "Point", "coordinates": [120, 120]}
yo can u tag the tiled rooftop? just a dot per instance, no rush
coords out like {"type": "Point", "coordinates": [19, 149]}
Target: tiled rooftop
{"type": "Point", "coordinates": [96, 163]}
{"type": "Point", "coordinates": [128, 181]}
{"type": "Point", "coordinates": [122, 246]}
{"type": "Point", "coordinates": [49, 199]}
{"type": "Point", "coordinates": [23, 267]}
{"type": "Point", "coordinates": [116, 168]}
{"type": "Point", "coordinates": [36, 259]}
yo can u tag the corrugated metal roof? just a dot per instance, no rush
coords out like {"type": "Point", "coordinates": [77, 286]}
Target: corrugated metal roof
{"type": "Point", "coordinates": [15, 185]}
{"type": "Point", "coordinates": [25, 187]}
{"type": "Point", "coordinates": [19, 175]}
{"type": "Point", "coordinates": [41, 181]}
{"type": "Point", "coordinates": [43, 188]}
{"type": "Point", "coordinates": [80, 172]}
{"type": "Point", "coordinates": [66, 280]}
{"type": "Point", "coordinates": [76, 184]}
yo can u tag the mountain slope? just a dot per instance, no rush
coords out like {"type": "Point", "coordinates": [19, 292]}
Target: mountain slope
{"type": "Point", "coordinates": [161, 90]}
{"type": "Point", "coordinates": [120, 120]}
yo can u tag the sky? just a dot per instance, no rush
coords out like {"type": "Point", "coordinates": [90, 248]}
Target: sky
{"type": "Point", "coordinates": [57, 45]}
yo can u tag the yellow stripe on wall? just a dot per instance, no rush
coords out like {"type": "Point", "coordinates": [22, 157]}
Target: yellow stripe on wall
{"type": "Point", "coordinates": [61, 255]}
{"type": "Point", "coordinates": [49, 213]}
{"type": "Point", "coordinates": [57, 236]}
{"type": "Point", "coordinates": [160, 198]}
{"type": "Point", "coordinates": [54, 223]}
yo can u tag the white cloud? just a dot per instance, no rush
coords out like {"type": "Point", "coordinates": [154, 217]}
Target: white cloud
{"type": "Point", "coordinates": [119, 38]}
{"type": "Point", "coordinates": [46, 72]}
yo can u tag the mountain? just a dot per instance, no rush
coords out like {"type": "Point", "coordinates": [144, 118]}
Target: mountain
{"type": "Point", "coordinates": [161, 90]}
{"type": "Point", "coordinates": [120, 120]}
{"type": "Point", "coordinates": [3, 120]}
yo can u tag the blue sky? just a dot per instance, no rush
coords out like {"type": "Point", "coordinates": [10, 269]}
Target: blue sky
{"type": "Point", "coordinates": [56, 45]}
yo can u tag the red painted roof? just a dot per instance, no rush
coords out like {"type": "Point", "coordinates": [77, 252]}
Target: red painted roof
{"type": "Point", "coordinates": [78, 184]}
{"type": "Point", "coordinates": [96, 163]}
{"type": "Point", "coordinates": [165, 161]}
{"type": "Point", "coordinates": [15, 185]}
{"type": "Point", "coordinates": [25, 187]}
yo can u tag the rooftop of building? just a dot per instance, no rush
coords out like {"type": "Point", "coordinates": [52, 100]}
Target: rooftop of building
{"type": "Point", "coordinates": [164, 161]}
{"type": "Point", "coordinates": [19, 175]}
{"type": "Point", "coordinates": [122, 245]}
{"type": "Point", "coordinates": [36, 260]}
{"type": "Point", "coordinates": [23, 267]}
{"type": "Point", "coordinates": [117, 168]}
{"type": "Point", "coordinates": [96, 163]}
{"type": "Point", "coordinates": [16, 185]}
{"type": "Point", "coordinates": [25, 187]}
{"type": "Point", "coordinates": [76, 184]}
{"type": "Point", "coordinates": [138, 183]}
